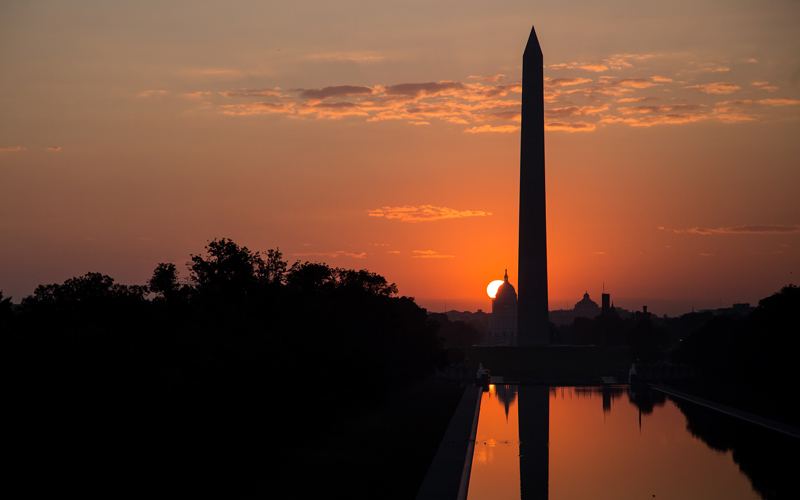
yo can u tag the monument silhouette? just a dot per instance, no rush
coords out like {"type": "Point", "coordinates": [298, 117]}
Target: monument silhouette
{"type": "Point", "coordinates": [532, 320]}
{"type": "Point", "coordinates": [533, 401]}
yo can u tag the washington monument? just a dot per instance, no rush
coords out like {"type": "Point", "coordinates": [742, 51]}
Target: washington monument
{"type": "Point", "coordinates": [532, 320]}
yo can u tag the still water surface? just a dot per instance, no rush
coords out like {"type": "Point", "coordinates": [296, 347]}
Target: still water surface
{"type": "Point", "coordinates": [607, 443]}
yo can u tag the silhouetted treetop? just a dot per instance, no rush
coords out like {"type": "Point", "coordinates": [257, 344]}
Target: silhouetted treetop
{"type": "Point", "coordinates": [88, 291]}
{"type": "Point", "coordinates": [780, 311]}
{"type": "Point", "coordinates": [165, 280]}
{"type": "Point", "coordinates": [6, 311]}
{"type": "Point", "coordinates": [309, 277]}
{"type": "Point", "coordinates": [273, 269]}
{"type": "Point", "coordinates": [230, 271]}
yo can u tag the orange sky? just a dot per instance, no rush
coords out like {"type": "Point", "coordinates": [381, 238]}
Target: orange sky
{"type": "Point", "coordinates": [386, 137]}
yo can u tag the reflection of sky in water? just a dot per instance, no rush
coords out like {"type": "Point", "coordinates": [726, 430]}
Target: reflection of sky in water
{"type": "Point", "coordinates": [598, 450]}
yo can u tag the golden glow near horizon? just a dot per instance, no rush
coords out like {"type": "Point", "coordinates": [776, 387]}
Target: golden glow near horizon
{"type": "Point", "coordinates": [367, 136]}
{"type": "Point", "coordinates": [492, 288]}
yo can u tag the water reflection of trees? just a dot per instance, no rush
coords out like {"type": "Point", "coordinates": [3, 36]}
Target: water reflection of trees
{"type": "Point", "coordinates": [608, 393]}
{"type": "Point", "coordinates": [769, 459]}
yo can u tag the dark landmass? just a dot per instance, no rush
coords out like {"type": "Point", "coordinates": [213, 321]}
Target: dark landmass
{"type": "Point", "coordinates": [748, 363]}
{"type": "Point", "coordinates": [379, 452]}
{"type": "Point", "coordinates": [456, 333]}
{"type": "Point", "coordinates": [198, 390]}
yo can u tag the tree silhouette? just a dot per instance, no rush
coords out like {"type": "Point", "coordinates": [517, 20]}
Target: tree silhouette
{"type": "Point", "coordinates": [165, 280]}
{"type": "Point", "coordinates": [219, 357]}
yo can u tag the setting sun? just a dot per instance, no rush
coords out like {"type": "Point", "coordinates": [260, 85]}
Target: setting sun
{"type": "Point", "coordinates": [492, 288]}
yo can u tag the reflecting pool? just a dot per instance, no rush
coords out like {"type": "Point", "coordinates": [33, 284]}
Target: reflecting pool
{"type": "Point", "coordinates": [612, 443]}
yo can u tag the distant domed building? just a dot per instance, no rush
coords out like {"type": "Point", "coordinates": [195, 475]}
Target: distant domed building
{"type": "Point", "coordinates": [503, 319]}
{"type": "Point", "coordinates": [586, 308]}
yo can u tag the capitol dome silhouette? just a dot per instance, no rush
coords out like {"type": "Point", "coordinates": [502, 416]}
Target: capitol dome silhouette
{"type": "Point", "coordinates": [506, 297]}
{"type": "Point", "coordinates": [503, 318]}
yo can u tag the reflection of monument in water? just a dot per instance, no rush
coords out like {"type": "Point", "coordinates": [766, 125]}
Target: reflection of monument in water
{"type": "Point", "coordinates": [533, 401]}
{"type": "Point", "coordinates": [533, 407]}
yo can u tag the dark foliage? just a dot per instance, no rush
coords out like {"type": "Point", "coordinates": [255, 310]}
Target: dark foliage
{"type": "Point", "coordinates": [456, 333]}
{"type": "Point", "coordinates": [647, 340]}
{"type": "Point", "coordinates": [197, 387]}
{"type": "Point", "coordinates": [747, 362]}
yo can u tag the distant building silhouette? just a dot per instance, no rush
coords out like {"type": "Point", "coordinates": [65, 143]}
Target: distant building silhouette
{"type": "Point", "coordinates": [738, 310]}
{"type": "Point", "coordinates": [503, 318]}
{"type": "Point", "coordinates": [478, 319]}
{"type": "Point", "coordinates": [586, 308]}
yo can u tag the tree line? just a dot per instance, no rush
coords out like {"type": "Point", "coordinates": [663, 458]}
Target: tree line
{"type": "Point", "coordinates": [248, 353]}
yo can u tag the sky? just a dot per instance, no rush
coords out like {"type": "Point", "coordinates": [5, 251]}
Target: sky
{"type": "Point", "coordinates": [385, 136]}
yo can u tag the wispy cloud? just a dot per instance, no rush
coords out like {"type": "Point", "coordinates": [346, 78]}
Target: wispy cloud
{"type": "Point", "coordinates": [649, 121]}
{"type": "Point", "coordinates": [338, 253]}
{"type": "Point", "coordinates": [53, 148]}
{"type": "Point", "coordinates": [424, 213]}
{"type": "Point", "coordinates": [339, 91]}
{"type": "Point", "coordinates": [637, 83]}
{"type": "Point", "coordinates": [765, 86]}
{"type": "Point", "coordinates": [429, 254]}
{"type": "Point", "coordinates": [659, 109]}
{"type": "Point", "coordinates": [565, 82]}
{"type": "Point", "coordinates": [332, 110]}
{"type": "Point", "coordinates": [732, 114]}
{"type": "Point", "coordinates": [198, 95]}
{"type": "Point", "coordinates": [616, 62]}
{"type": "Point", "coordinates": [493, 78]}
{"type": "Point", "coordinates": [574, 111]}
{"type": "Point", "coordinates": [715, 88]}
{"type": "Point", "coordinates": [491, 104]}
{"type": "Point", "coordinates": [215, 72]}
{"type": "Point", "coordinates": [257, 108]}
{"type": "Point", "coordinates": [423, 89]}
{"type": "Point", "coordinates": [766, 102]}
{"type": "Point", "coordinates": [756, 229]}
{"type": "Point", "coordinates": [267, 92]}
{"type": "Point", "coordinates": [637, 99]}
{"type": "Point", "coordinates": [503, 129]}
{"type": "Point", "coordinates": [12, 148]}
{"type": "Point", "coordinates": [152, 93]}
{"type": "Point", "coordinates": [357, 57]}
{"type": "Point", "coordinates": [669, 118]}
{"type": "Point", "coordinates": [512, 116]}
{"type": "Point", "coordinates": [570, 127]}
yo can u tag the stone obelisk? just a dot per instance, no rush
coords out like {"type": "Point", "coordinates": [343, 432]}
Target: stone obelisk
{"type": "Point", "coordinates": [532, 320]}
